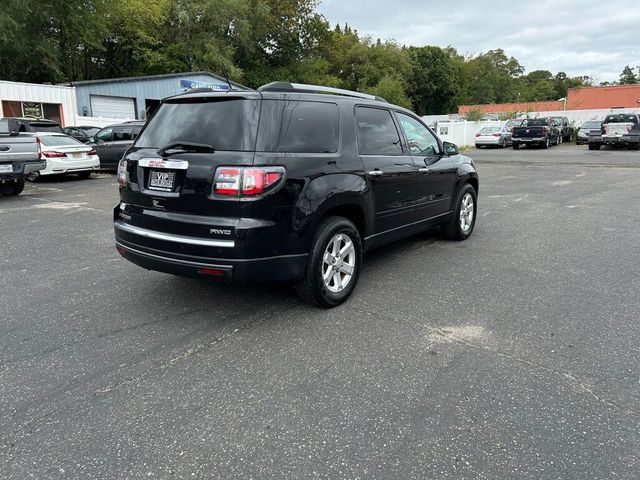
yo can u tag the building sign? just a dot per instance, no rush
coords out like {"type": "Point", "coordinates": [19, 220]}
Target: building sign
{"type": "Point", "coordinates": [186, 85]}
{"type": "Point", "coordinates": [32, 110]}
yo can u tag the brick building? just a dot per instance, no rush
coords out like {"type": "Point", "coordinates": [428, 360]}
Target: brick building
{"type": "Point", "coordinates": [586, 98]}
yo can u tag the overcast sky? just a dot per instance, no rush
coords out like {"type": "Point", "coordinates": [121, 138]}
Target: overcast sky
{"type": "Point", "coordinates": [586, 37]}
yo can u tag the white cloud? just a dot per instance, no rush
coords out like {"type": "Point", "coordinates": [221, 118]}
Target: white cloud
{"type": "Point", "coordinates": [577, 37]}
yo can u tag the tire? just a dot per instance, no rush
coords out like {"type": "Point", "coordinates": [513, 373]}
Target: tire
{"type": "Point", "coordinates": [546, 143]}
{"type": "Point", "coordinates": [634, 146]}
{"type": "Point", "coordinates": [515, 146]}
{"type": "Point", "coordinates": [33, 177]}
{"type": "Point", "coordinates": [84, 175]}
{"type": "Point", "coordinates": [453, 229]}
{"type": "Point", "coordinates": [503, 144]}
{"type": "Point", "coordinates": [13, 188]}
{"type": "Point", "coordinates": [313, 289]}
{"type": "Point", "coordinates": [594, 146]}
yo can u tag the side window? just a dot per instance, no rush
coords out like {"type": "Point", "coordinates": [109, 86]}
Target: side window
{"type": "Point", "coordinates": [104, 135]}
{"type": "Point", "coordinates": [136, 131]}
{"type": "Point", "coordinates": [377, 134]}
{"type": "Point", "coordinates": [122, 134]}
{"type": "Point", "coordinates": [299, 127]}
{"type": "Point", "coordinates": [421, 140]}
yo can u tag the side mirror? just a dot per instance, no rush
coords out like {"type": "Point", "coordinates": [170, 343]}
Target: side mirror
{"type": "Point", "coordinates": [450, 148]}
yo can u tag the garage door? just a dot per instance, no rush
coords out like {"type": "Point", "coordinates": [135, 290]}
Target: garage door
{"type": "Point", "coordinates": [115, 107]}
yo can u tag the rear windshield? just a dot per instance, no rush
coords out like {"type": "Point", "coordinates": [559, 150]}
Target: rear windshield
{"type": "Point", "coordinates": [594, 124]}
{"type": "Point", "coordinates": [90, 131]}
{"type": "Point", "coordinates": [45, 127]}
{"type": "Point", "coordinates": [621, 119]}
{"type": "Point", "coordinates": [225, 124]}
{"type": "Point", "coordinates": [490, 129]}
{"type": "Point", "coordinates": [59, 141]}
{"type": "Point", "coordinates": [535, 122]}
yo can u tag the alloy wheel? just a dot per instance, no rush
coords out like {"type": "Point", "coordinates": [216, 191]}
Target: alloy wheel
{"type": "Point", "coordinates": [467, 211]}
{"type": "Point", "coordinates": [338, 263]}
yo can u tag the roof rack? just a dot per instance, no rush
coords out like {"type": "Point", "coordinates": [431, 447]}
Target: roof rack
{"type": "Point", "coordinates": [304, 88]}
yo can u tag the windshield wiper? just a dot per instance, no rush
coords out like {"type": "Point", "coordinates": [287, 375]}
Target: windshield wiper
{"type": "Point", "coordinates": [186, 147]}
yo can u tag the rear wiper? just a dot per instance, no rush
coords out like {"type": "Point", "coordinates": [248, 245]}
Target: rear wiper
{"type": "Point", "coordinates": [186, 147]}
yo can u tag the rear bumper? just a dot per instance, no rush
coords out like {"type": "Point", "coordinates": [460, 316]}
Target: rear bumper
{"type": "Point", "coordinates": [280, 268]}
{"type": "Point", "coordinates": [55, 166]}
{"type": "Point", "coordinates": [529, 140]}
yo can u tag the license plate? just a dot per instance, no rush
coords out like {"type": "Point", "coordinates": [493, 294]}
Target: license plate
{"type": "Point", "coordinates": [162, 180]}
{"type": "Point", "coordinates": [77, 155]}
{"type": "Point", "coordinates": [6, 168]}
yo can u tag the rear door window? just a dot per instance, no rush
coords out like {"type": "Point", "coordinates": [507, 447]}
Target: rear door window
{"type": "Point", "coordinates": [377, 133]}
{"type": "Point", "coordinates": [123, 134]}
{"type": "Point", "coordinates": [296, 126]}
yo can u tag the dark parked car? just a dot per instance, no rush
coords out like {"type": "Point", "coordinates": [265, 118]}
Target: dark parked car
{"type": "Point", "coordinates": [113, 141]}
{"type": "Point", "coordinates": [582, 138]}
{"type": "Point", "coordinates": [82, 134]}
{"type": "Point", "coordinates": [565, 128]}
{"type": "Point", "coordinates": [536, 131]}
{"type": "Point", "coordinates": [32, 125]}
{"type": "Point", "coordinates": [285, 184]}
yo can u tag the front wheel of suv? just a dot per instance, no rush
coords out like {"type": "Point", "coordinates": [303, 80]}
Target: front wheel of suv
{"type": "Point", "coordinates": [334, 264]}
{"type": "Point", "coordinates": [461, 224]}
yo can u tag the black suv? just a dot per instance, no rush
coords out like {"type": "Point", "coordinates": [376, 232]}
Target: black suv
{"type": "Point", "coordinates": [113, 141]}
{"type": "Point", "coordinates": [287, 183]}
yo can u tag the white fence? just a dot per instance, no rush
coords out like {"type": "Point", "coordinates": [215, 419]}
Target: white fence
{"type": "Point", "coordinates": [462, 132]}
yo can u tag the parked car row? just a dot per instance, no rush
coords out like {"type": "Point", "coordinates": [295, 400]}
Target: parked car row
{"type": "Point", "coordinates": [77, 149]}
{"type": "Point", "coordinates": [621, 130]}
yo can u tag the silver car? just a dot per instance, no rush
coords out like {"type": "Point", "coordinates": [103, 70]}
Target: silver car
{"type": "Point", "coordinates": [493, 136]}
{"type": "Point", "coordinates": [583, 133]}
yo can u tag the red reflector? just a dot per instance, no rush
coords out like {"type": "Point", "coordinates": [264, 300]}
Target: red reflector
{"type": "Point", "coordinates": [211, 271]}
{"type": "Point", "coordinates": [121, 250]}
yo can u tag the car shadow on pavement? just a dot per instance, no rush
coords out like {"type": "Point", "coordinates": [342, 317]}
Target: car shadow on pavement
{"type": "Point", "coordinates": [213, 293]}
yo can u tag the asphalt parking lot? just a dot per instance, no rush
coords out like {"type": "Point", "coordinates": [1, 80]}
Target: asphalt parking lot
{"type": "Point", "coordinates": [511, 355]}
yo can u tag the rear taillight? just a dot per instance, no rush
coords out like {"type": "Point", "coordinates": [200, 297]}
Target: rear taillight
{"type": "Point", "coordinates": [239, 181]}
{"type": "Point", "coordinates": [477, 134]}
{"type": "Point", "coordinates": [496, 134]}
{"type": "Point", "coordinates": [544, 130]}
{"type": "Point", "coordinates": [54, 154]}
{"type": "Point", "coordinates": [92, 152]}
{"type": "Point", "coordinates": [122, 172]}
{"type": "Point", "coordinates": [39, 147]}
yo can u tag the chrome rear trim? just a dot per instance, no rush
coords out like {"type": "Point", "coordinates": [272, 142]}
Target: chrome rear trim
{"type": "Point", "coordinates": [170, 237]}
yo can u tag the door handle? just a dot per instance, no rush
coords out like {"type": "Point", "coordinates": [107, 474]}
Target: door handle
{"type": "Point", "coordinates": [375, 173]}
{"type": "Point", "coordinates": [424, 170]}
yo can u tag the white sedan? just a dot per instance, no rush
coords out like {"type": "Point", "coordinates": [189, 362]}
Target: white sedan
{"type": "Point", "coordinates": [493, 136]}
{"type": "Point", "coordinates": [65, 154]}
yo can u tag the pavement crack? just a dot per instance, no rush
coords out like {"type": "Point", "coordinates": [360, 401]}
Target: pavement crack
{"type": "Point", "coordinates": [570, 378]}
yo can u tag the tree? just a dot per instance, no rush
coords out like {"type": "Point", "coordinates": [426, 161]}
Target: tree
{"type": "Point", "coordinates": [628, 77]}
{"type": "Point", "coordinates": [434, 83]}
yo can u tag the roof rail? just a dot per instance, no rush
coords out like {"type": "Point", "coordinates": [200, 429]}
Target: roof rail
{"type": "Point", "coordinates": [304, 88]}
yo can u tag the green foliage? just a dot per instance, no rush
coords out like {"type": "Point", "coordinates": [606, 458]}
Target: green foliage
{"type": "Point", "coordinates": [628, 76]}
{"type": "Point", "coordinates": [255, 42]}
{"type": "Point", "coordinates": [475, 115]}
